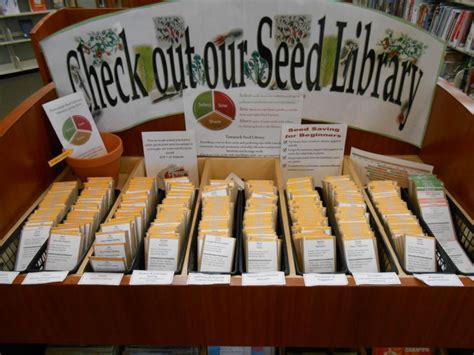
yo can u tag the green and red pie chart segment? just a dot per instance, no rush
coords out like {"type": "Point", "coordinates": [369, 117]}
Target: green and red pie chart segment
{"type": "Point", "coordinates": [77, 130]}
{"type": "Point", "coordinates": [214, 110]}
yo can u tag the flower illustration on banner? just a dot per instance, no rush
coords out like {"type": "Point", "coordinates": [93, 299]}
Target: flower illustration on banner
{"type": "Point", "coordinates": [101, 44]}
{"type": "Point", "coordinates": [403, 47]}
{"type": "Point", "coordinates": [197, 70]}
{"type": "Point", "coordinates": [293, 29]}
{"type": "Point", "coordinates": [256, 68]}
{"type": "Point", "coordinates": [169, 29]}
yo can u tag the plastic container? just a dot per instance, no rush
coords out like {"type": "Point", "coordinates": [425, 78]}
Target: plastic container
{"type": "Point", "coordinates": [106, 165]}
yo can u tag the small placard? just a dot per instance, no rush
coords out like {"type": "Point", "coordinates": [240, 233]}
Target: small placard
{"type": "Point", "coordinates": [217, 254]}
{"type": "Point", "coordinates": [7, 277]}
{"type": "Point", "coordinates": [376, 278]}
{"type": "Point", "coordinates": [319, 255]}
{"type": "Point", "coordinates": [325, 280]}
{"type": "Point", "coordinates": [440, 279]}
{"type": "Point", "coordinates": [196, 278]}
{"type": "Point", "coordinates": [44, 277]}
{"type": "Point", "coordinates": [262, 256]}
{"type": "Point", "coordinates": [264, 279]}
{"type": "Point", "coordinates": [101, 278]}
{"type": "Point", "coordinates": [420, 254]}
{"type": "Point", "coordinates": [360, 255]}
{"type": "Point", "coordinates": [149, 277]}
{"type": "Point", "coordinates": [163, 254]}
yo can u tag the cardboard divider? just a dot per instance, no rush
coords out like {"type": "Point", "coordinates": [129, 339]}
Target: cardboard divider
{"type": "Point", "coordinates": [238, 255]}
{"type": "Point", "coordinates": [341, 264]}
{"type": "Point", "coordinates": [128, 167]}
{"type": "Point", "coordinates": [245, 168]}
{"type": "Point", "coordinates": [387, 257]}
{"type": "Point", "coordinates": [442, 264]}
{"type": "Point", "coordinates": [39, 260]}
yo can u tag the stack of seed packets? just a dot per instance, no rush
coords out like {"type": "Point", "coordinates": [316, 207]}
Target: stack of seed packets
{"type": "Point", "coordinates": [50, 212]}
{"type": "Point", "coordinates": [427, 191]}
{"type": "Point", "coordinates": [415, 250]}
{"type": "Point", "coordinates": [72, 238]}
{"type": "Point", "coordinates": [346, 202]}
{"type": "Point", "coordinates": [262, 244]}
{"type": "Point", "coordinates": [120, 237]}
{"type": "Point", "coordinates": [315, 245]}
{"type": "Point", "coordinates": [216, 242]}
{"type": "Point", "coordinates": [166, 236]}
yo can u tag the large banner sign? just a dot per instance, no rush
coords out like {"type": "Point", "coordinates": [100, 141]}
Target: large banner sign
{"type": "Point", "coordinates": [354, 66]}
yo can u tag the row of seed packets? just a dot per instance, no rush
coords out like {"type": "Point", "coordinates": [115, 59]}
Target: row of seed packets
{"type": "Point", "coordinates": [50, 212]}
{"type": "Point", "coordinates": [262, 245]}
{"type": "Point", "coordinates": [120, 237]}
{"type": "Point", "coordinates": [216, 240]}
{"type": "Point", "coordinates": [416, 251]}
{"type": "Point", "coordinates": [314, 243]}
{"type": "Point", "coordinates": [428, 193]}
{"type": "Point", "coordinates": [346, 202]}
{"type": "Point", "coordinates": [72, 238]}
{"type": "Point", "coordinates": [166, 236]}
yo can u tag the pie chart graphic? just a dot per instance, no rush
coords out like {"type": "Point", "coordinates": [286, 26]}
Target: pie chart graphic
{"type": "Point", "coordinates": [77, 130]}
{"type": "Point", "coordinates": [214, 110]}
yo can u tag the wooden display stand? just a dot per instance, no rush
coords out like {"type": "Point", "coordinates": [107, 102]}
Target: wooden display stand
{"type": "Point", "coordinates": [412, 314]}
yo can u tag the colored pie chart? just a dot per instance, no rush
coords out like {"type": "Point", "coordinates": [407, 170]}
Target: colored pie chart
{"type": "Point", "coordinates": [214, 110]}
{"type": "Point", "coordinates": [77, 130]}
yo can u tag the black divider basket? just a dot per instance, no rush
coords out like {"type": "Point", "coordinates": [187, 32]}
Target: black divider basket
{"type": "Point", "coordinates": [341, 265]}
{"type": "Point", "coordinates": [284, 262]}
{"type": "Point", "coordinates": [443, 264]}
{"type": "Point", "coordinates": [141, 264]}
{"type": "Point", "coordinates": [138, 262]}
{"type": "Point", "coordinates": [464, 231]}
{"type": "Point", "coordinates": [238, 262]}
{"type": "Point", "coordinates": [39, 260]}
{"type": "Point", "coordinates": [8, 251]}
{"type": "Point", "coordinates": [443, 261]}
{"type": "Point", "coordinates": [386, 261]}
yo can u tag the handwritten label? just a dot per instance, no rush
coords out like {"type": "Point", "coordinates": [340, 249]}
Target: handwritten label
{"type": "Point", "coordinates": [7, 277]}
{"type": "Point", "coordinates": [376, 278]}
{"type": "Point", "coordinates": [325, 280]}
{"type": "Point", "coordinates": [196, 278]}
{"type": "Point", "coordinates": [45, 277]}
{"type": "Point", "coordinates": [101, 278]}
{"type": "Point", "coordinates": [440, 279]}
{"type": "Point", "coordinates": [264, 279]}
{"type": "Point", "coordinates": [149, 277]}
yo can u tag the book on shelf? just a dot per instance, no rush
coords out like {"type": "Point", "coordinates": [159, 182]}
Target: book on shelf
{"type": "Point", "coordinates": [449, 21]}
{"type": "Point", "coordinates": [37, 5]}
{"type": "Point", "coordinates": [9, 7]}
{"type": "Point", "coordinates": [26, 26]}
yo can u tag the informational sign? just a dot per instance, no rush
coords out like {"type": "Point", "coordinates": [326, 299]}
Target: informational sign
{"type": "Point", "coordinates": [170, 154]}
{"type": "Point", "coordinates": [312, 150]}
{"type": "Point", "coordinates": [240, 122]}
{"type": "Point", "coordinates": [353, 65]}
{"type": "Point", "coordinates": [370, 166]}
{"type": "Point", "coordinates": [75, 127]}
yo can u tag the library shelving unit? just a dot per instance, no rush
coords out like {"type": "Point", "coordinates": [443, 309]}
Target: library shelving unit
{"type": "Point", "coordinates": [16, 54]}
{"type": "Point", "coordinates": [411, 314]}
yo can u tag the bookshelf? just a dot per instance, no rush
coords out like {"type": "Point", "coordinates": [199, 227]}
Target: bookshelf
{"type": "Point", "coordinates": [450, 21]}
{"type": "Point", "coordinates": [16, 54]}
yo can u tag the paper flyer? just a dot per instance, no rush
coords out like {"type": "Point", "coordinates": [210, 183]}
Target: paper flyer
{"type": "Point", "coordinates": [170, 154]}
{"type": "Point", "coordinates": [370, 166]}
{"type": "Point", "coordinates": [75, 127]}
{"type": "Point", "coordinates": [240, 122]}
{"type": "Point", "coordinates": [312, 150]}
